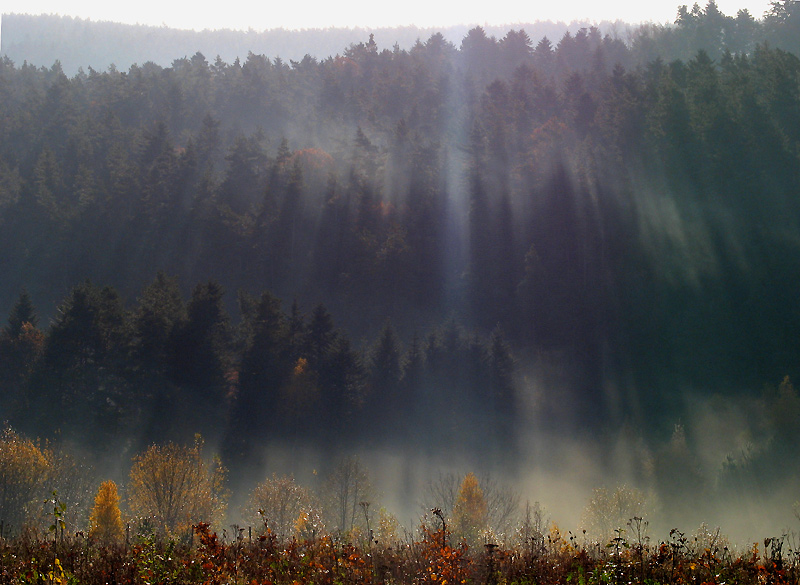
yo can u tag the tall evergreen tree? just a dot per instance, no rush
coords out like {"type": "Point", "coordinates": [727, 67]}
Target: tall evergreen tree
{"type": "Point", "coordinates": [201, 357]}
{"type": "Point", "coordinates": [22, 312]}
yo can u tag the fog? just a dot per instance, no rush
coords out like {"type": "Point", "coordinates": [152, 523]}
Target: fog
{"type": "Point", "coordinates": [683, 480]}
{"type": "Point", "coordinates": [567, 267]}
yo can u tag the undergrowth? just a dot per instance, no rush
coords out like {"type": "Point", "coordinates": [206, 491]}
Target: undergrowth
{"type": "Point", "coordinates": [430, 558]}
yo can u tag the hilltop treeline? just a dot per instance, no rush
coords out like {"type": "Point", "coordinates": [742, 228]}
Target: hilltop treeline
{"type": "Point", "coordinates": [633, 224]}
{"type": "Point", "coordinates": [79, 43]}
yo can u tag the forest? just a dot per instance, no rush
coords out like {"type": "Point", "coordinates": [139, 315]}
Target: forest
{"type": "Point", "coordinates": [455, 251]}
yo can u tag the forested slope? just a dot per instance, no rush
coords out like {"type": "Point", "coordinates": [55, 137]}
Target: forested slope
{"type": "Point", "coordinates": [627, 224]}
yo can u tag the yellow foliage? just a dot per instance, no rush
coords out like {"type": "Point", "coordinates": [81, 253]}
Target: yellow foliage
{"type": "Point", "coordinates": [174, 487]}
{"type": "Point", "coordinates": [388, 525]}
{"type": "Point", "coordinates": [105, 519]}
{"type": "Point", "coordinates": [308, 525]}
{"type": "Point", "coordinates": [280, 503]}
{"type": "Point", "coordinates": [23, 470]}
{"type": "Point", "coordinates": [58, 576]}
{"type": "Point", "coordinates": [301, 523]}
{"type": "Point", "coordinates": [557, 541]}
{"type": "Point", "coordinates": [470, 511]}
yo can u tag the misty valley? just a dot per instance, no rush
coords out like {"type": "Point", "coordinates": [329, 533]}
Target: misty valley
{"type": "Point", "coordinates": [507, 310]}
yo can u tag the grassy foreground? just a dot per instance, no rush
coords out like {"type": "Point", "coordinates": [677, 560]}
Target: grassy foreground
{"type": "Point", "coordinates": [201, 556]}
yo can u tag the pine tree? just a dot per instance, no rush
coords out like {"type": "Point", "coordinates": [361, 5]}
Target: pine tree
{"type": "Point", "coordinates": [385, 371]}
{"type": "Point", "coordinates": [23, 312]}
{"type": "Point", "coordinates": [266, 366]}
{"type": "Point", "coordinates": [201, 350]}
{"type": "Point", "coordinates": [156, 319]}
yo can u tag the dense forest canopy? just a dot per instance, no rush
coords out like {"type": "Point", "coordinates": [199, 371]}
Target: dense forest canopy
{"type": "Point", "coordinates": [433, 246]}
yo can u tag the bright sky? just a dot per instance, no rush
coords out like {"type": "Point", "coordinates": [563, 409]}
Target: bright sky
{"type": "Point", "coordinates": [262, 14]}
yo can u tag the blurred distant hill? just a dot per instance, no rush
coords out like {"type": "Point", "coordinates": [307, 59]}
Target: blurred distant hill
{"type": "Point", "coordinates": [77, 43]}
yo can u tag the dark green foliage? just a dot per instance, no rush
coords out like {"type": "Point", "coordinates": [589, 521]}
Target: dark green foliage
{"type": "Point", "coordinates": [21, 345]}
{"type": "Point", "coordinates": [158, 317]}
{"type": "Point", "coordinates": [623, 212]}
{"type": "Point", "coordinates": [266, 367]}
{"type": "Point", "coordinates": [201, 355]}
{"type": "Point", "coordinates": [386, 398]}
{"type": "Point", "coordinates": [82, 381]}
{"type": "Point", "coordinates": [23, 312]}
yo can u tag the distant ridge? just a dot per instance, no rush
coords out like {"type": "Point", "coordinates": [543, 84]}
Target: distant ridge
{"type": "Point", "coordinates": [82, 43]}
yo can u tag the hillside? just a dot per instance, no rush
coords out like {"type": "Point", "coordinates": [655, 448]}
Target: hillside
{"type": "Point", "coordinates": [460, 248]}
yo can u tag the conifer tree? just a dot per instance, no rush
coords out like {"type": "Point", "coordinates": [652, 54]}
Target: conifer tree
{"type": "Point", "coordinates": [106, 520]}
{"type": "Point", "coordinates": [23, 312]}
{"type": "Point", "coordinates": [384, 377]}
{"type": "Point", "coordinates": [470, 511]}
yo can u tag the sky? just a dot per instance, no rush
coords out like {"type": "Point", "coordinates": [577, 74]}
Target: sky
{"type": "Point", "coordinates": [261, 15]}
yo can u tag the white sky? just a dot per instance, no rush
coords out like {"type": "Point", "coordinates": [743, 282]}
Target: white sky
{"type": "Point", "coordinates": [262, 14]}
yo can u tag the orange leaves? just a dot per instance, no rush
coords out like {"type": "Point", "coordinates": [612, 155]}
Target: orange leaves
{"type": "Point", "coordinates": [443, 564]}
{"type": "Point", "coordinates": [300, 367]}
{"type": "Point", "coordinates": [217, 566]}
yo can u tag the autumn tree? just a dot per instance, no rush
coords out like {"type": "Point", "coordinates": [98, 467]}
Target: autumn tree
{"type": "Point", "coordinates": [469, 518]}
{"type": "Point", "coordinates": [106, 520]}
{"type": "Point", "coordinates": [501, 503]}
{"type": "Point", "coordinates": [24, 468]}
{"type": "Point", "coordinates": [279, 503]}
{"type": "Point", "coordinates": [608, 511]}
{"type": "Point", "coordinates": [175, 487]}
{"type": "Point", "coordinates": [346, 487]}
{"type": "Point", "coordinates": [387, 532]}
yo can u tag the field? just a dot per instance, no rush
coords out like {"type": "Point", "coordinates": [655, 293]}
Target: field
{"type": "Point", "coordinates": [430, 558]}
